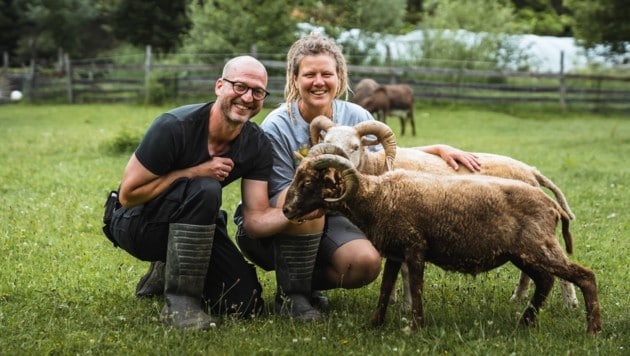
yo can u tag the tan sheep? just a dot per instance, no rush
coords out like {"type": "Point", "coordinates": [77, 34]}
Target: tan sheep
{"type": "Point", "coordinates": [465, 223]}
{"type": "Point", "coordinates": [356, 140]}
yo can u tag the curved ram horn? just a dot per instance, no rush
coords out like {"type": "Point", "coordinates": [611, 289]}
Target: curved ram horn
{"type": "Point", "coordinates": [323, 148]}
{"type": "Point", "coordinates": [385, 137]}
{"type": "Point", "coordinates": [319, 124]}
{"type": "Point", "coordinates": [348, 173]}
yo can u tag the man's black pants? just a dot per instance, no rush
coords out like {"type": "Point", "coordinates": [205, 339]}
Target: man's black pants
{"type": "Point", "coordinates": [231, 282]}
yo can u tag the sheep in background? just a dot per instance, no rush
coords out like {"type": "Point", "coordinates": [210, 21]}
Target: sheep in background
{"type": "Point", "coordinates": [392, 99]}
{"type": "Point", "coordinates": [383, 100]}
{"type": "Point", "coordinates": [463, 223]}
{"type": "Point", "coordinates": [363, 89]}
{"type": "Point", "coordinates": [355, 140]}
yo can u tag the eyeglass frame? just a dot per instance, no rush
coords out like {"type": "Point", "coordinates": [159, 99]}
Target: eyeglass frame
{"type": "Point", "coordinates": [247, 88]}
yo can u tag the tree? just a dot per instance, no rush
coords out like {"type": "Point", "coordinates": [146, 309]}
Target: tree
{"type": "Point", "coordinates": [77, 27]}
{"type": "Point", "coordinates": [464, 32]}
{"type": "Point", "coordinates": [228, 28]}
{"type": "Point", "coordinates": [159, 23]}
{"type": "Point", "coordinates": [544, 17]}
{"type": "Point", "coordinates": [602, 22]}
{"type": "Point", "coordinates": [10, 26]}
{"type": "Point", "coordinates": [374, 18]}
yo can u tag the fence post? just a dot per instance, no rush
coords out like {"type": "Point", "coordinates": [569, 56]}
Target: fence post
{"type": "Point", "coordinates": [5, 62]}
{"type": "Point", "coordinates": [147, 74]}
{"type": "Point", "coordinates": [68, 69]}
{"type": "Point", "coordinates": [563, 88]}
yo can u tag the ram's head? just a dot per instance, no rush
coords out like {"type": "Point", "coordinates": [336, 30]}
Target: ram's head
{"type": "Point", "coordinates": [320, 181]}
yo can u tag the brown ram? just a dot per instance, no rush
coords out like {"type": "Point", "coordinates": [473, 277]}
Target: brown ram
{"type": "Point", "coordinates": [355, 142]}
{"type": "Point", "coordinates": [465, 223]}
{"type": "Point", "coordinates": [387, 99]}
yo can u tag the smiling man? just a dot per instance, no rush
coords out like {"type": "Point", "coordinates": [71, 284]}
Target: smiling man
{"type": "Point", "coordinates": [170, 196]}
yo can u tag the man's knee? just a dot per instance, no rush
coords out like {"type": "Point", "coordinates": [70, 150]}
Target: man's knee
{"type": "Point", "coordinates": [203, 200]}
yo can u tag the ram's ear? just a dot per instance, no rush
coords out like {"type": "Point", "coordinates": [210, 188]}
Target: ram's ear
{"type": "Point", "coordinates": [298, 155]}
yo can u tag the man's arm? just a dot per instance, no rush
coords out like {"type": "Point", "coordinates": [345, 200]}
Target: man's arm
{"type": "Point", "coordinates": [260, 219]}
{"type": "Point", "coordinates": [140, 185]}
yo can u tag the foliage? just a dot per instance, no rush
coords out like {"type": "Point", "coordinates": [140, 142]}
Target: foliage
{"type": "Point", "coordinates": [125, 142]}
{"type": "Point", "coordinates": [229, 28]}
{"type": "Point", "coordinates": [159, 23]}
{"type": "Point", "coordinates": [65, 290]}
{"type": "Point", "coordinates": [544, 17]}
{"type": "Point", "coordinates": [443, 38]}
{"type": "Point", "coordinates": [371, 16]}
{"type": "Point", "coordinates": [43, 30]}
{"type": "Point", "coordinates": [602, 22]}
{"type": "Point", "coordinates": [9, 26]}
{"type": "Point", "coordinates": [369, 20]}
{"type": "Point", "coordinates": [76, 27]}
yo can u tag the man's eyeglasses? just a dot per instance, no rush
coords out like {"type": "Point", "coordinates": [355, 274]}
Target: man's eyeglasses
{"type": "Point", "coordinates": [241, 88]}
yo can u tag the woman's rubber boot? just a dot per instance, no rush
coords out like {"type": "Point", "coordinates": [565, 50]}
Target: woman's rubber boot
{"type": "Point", "coordinates": [294, 258]}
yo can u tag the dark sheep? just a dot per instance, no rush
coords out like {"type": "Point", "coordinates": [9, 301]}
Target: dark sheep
{"type": "Point", "coordinates": [465, 223]}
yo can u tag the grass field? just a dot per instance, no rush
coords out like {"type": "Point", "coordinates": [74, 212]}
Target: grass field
{"type": "Point", "coordinates": [65, 290]}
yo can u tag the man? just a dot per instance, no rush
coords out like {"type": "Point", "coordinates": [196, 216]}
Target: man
{"type": "Point", "coordinates": [170, 200]}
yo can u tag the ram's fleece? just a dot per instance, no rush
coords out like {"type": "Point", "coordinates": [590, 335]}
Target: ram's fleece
{"type": "Point", "coordinates": [463, 223]}
{"type": "Point", "coordinates": [356, 140]}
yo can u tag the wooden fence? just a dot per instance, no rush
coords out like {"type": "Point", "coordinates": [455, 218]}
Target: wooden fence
{"type": "Point", "coordinates": [151, 81]}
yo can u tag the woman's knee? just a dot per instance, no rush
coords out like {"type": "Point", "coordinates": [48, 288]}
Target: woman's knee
{"type": "Point", "coordinates": [357, 263]}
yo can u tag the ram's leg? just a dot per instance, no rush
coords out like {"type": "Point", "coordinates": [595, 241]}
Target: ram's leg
{"type": "Point", "coordinates": [544, 282]}
{"type": "Point", "coordinates": [404, 272]}
{"type": "Point", "coordinates": [520, 292]}
{"type": "Point", "coordinates": [387, 285]}
{"type": "Point", "coordinates": [568, 294]}
{"type": "Point", "coordinates": [415, 264]}
{"type": "Point", "coordinates": [402, 125]}
{"type": "Point", "coordinates": [567, 289]}
{"type": "Point", "coordinates": [411, 120]}
{"type": "Point", "coordinates": [585, 279]}
{"type": "Point", "coordinates": [555, 262]}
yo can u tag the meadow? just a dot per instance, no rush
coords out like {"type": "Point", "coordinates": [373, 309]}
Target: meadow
{"type": "Point", "coordinates": [64, 289]}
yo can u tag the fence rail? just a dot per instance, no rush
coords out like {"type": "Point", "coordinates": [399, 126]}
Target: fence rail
{"type": "Point", "coordinates": [104, 81]}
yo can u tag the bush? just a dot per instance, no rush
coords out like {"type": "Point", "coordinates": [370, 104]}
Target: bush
{"type": "Point", "coordinates": [124, 143]}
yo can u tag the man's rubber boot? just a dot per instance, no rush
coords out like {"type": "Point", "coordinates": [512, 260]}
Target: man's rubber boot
{"type": "Point", "coordinates": [187, 259]}
{"type": "Point", "coordinates": [152, 283]}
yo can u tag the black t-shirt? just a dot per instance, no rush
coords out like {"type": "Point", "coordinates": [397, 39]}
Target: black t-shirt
{"type": "Point", "coordinates": [179, 139]}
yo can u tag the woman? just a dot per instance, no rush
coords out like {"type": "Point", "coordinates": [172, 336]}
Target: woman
{"type": "Point", "coordinates": [325, 251]}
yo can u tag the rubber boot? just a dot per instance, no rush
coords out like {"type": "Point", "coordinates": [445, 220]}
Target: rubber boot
{"type": "Point", "coordinates": [294, 258]}
{"type": "Point", "coordinates": [187, 259]}
{"type": "Point", "coordinates": [152, 283]}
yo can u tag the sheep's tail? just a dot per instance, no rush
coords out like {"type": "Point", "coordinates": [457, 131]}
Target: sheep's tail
{"type": "Point", "coordinates": [566, 234]}
{"type": "Point", "coordinates": [562, 200]}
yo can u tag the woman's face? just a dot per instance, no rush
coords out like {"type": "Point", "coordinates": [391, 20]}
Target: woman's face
{"type": "Point", "coordinates": [317, 82]}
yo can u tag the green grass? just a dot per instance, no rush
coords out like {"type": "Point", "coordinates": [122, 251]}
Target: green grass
{"type": "Point", "coordinates": [65, 290]}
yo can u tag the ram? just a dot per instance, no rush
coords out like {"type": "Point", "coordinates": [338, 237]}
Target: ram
{"type": "Point", "coordinates": [383, 100]}
{"type": "Point", "coordinates": [464, 223]}
{"type": "Point", "coordinates": [355, 142]}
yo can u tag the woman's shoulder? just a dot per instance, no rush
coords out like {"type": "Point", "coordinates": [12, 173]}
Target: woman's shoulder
{"type": "Point", "coordinates": [279, 114]}
{"type": "Point", "coordinates": [349, 113]}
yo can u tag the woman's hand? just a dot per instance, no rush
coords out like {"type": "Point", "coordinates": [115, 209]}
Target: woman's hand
{"type": "Point", "coordinates": [453, 157]}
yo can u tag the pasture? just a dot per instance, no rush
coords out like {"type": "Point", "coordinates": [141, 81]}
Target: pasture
{"type": "Point", "coordinates": [65, 290]}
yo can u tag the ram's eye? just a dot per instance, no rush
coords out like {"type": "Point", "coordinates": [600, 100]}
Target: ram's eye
{"type": "Point", "coordinates": [308, 183]}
